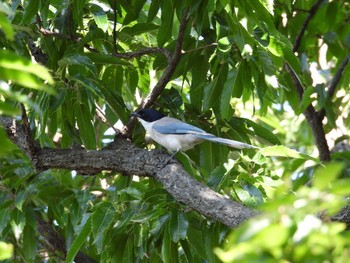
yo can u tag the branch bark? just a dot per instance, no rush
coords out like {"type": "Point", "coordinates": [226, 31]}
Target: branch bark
{"type": "Point", "coordinates": [127, 159]}
{"type": "Point", "coordinates": [313, 120]}
{"type": "Point", "coordinates": [311, 115]}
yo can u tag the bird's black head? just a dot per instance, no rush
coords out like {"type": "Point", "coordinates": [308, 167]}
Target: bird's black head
{"type": "Point", "coordinates": [148, 115]}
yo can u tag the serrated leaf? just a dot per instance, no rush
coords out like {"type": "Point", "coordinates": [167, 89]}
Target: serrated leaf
{"type": "Point", "coordinates": [30, 242]}
{"type": "Point", "coordinates": [213, 90]}
{"type": "Point", "coordinates": [79, 241]}
{"type": "Point", "coordinates": [107, 59]}
{"type": "Point", "coordinates": [100, 18]}
{"type": "Point", "coordinates": [153, 10]}
{"type": "Point", "coordinates": [23, 71]}
{"type": "Point", "coordinates": [166, 27]}
{"type": "Point", "coordinates": [20, 199]}
{"type": "Point", "coordinates": [101, 219]}
{"type": "Point", "coordinates": [30, 10]}
{"type": "Point", "coordinates": [88, 83]}
{"type": "Point", "coordinates": [139, 29]}
{"type": "Point", "coordinates": [263, 132]}
{"type": "Point", "coordinates": [168, 248]}
{"type": "Point", "coordinates": [80, 60]}
{"type": "Point", "coordinates": [178, 225]}
{"type": "Point", "coordinates": [86, 128]}
{"type": "Point", "coordinates": [226, 95]}
{"type": "Point", "coordinates": [324, 176]}
{"type": "Point", "coordinates": [283, 151]}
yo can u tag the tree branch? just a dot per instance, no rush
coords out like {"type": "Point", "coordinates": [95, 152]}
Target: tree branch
{"type": "Point", "coordinates": [334, 83]}
{"type": "Point", "coordinates": [55, 242]}
{"type": "Point", "coordinates": [164, 79]}
{"type": "Point", "coordinates": [115, 26]}
{"type": "Point", "coordinates": [127, 159]}
{"type": "Point", "coordinates": [312, 118]}
{"type": "Point", "coordinates": [310, 113]}
{"type": "Point", "coordinates": [312, 12]}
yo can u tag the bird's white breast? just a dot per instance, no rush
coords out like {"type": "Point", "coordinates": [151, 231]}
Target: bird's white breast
{"type": "Point", "coordinates": [172, 142]}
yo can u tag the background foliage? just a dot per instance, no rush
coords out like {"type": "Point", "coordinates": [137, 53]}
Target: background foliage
{"type": "Point", "coordinates": [265, 72]}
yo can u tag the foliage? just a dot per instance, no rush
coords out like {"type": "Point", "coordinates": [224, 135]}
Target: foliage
{"type": "Point", "coordinates": [91, 73]}
{"type": "Point", "coordinates": [295, 228]}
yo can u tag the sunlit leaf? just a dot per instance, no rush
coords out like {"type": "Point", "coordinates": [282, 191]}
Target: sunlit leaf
{"type": "Point", "coordinates": [325, 176]}
{"type": "Point", "coordinates": [283, 151]}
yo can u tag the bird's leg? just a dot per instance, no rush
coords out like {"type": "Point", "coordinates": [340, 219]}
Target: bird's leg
{"type": "Point", "coordinates": [171, 157]}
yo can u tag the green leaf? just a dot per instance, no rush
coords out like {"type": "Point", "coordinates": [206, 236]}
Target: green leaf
{"type": "Point", "coordinates": [6, 26]}
{"type": "Point", "coordinates": [213, 90]}
{"type": "Point", "coordinates": [166, 26]}
{"type": "Point", "coordinates": [6, 250]}
{"type": "Point", "coordinates": [169, 250]}
{"type": "Point", "coordinates": [325, 176]}
{"type": "Point", "coordinates": [30, 240]}
{"type": "Point", "coordinates": [106, 59]}
{"type": "Point", "coordinates": [133, 9]}
{"type": "Point", "coordinates": [226, 95]}
{"type": "Point", "coordinates": [101, 219]}
{"type": "Point", "coordinates": [20, 199]}
{"type": "Point", "coordinates": [178, 226]}
{"type": "Point", "coordinates": [79, 241]}
{"type": "Point", "coordinates": [86, 128]}
{"type": "Point", "coordinates": [263, 132]}
{"type": "Point", "coordinates": [153, 10]}
{"type": "Point", "coordinates": [139, 29]}
{"type": "Point", "coordinates": [128, 250]}
{"type": "Point", "coordinates": [6, 145]}
{"type": "Point", "coordinates": [30, 10]}
{"type": "Point", "coordinates": [21, 70]}
{"type": "Point", "coordinates": [78, 59]}
{"type": "Point", "coordinates": [306, 100]}
{"type": "Point", "coordinates": [100, 17]}
{"type": "Point", "coordinates": [283, 151]}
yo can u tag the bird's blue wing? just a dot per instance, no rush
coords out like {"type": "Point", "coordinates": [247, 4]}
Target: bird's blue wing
{"type": "Point", "coordinates": [174, 126]}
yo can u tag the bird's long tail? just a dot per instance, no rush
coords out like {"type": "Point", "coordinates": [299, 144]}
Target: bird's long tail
{"type": "Point", "coordinates": [228, 142]}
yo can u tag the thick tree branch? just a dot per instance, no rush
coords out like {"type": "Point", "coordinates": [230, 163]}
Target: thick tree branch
{"type": "Point", "coordinates": [127, 159]}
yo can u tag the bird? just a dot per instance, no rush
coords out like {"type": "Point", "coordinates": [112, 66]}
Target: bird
{"type": "Point", "coordinates": [176, 135]}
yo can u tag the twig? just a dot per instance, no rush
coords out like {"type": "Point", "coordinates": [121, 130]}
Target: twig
{"type": "Point", "coordinates": [146, 51]}
{"type": "Point", "coordinates": [312, 12]}
{"type": "Point", "coordinates": [54, 242]}
{"type": "Point", "coordinates": [199, 48]}
{"type": "Point", "coordinates": [334, 83]}
{"type": "Point", "coordinates": [115, 27]}
{"type": "Point", "coordinates": [102, 117]}
{"type": "Point", "coordinates": [335, 80]}
{"type": "Point", "coordinates": [164, 79]}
